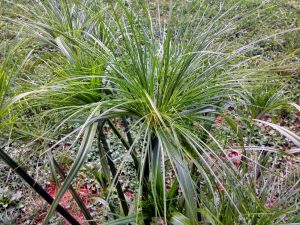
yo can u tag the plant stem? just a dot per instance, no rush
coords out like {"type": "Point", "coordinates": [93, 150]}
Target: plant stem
{"type": "Point", "coordinates": [129, 137]}
{"type": "Point", "coordinates": [113, 169]}
{"type": "Point", "coordinates": [145, 187]}
{"type": "Point", "coordinates": [126, 145]}
{"type": "Point", "coordinates": [104, 164]}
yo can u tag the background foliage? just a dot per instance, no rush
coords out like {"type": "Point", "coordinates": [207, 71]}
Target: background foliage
{"type": "Point", "coordinates": [151, 110]}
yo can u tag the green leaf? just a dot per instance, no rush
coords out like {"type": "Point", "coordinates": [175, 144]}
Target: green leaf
{"type": "Point", "coordinates": [64, 48]}
{"type": "Point", "coordinates": [85, 146]}
{"type": "Point", "coordinates": [128, 219]}
{"type": "Point", "coordinates": [179, 219]}
{"type": "Point", "coordinates": [235, 127]}
{"type": "Point", "coordinates": [296, 106]}
{"type": "Point", "coordinates": [285, 132]}
{"type": "Point", "coordinates": [76, 197]}
{"type": "Point", "coordinates": [184, 178]}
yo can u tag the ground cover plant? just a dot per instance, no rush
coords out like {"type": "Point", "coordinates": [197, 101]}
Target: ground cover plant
{"type": "Point", "coordinates": [149, 112]}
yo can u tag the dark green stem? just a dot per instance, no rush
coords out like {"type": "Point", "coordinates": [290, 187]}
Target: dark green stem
{"type": "Point", "coordinates": [126, 145]}
{"type": "Point", "coordinates": [128, 134]}
{"type": "Point", "coordinates": [145, 185]}
{"type": "Point", "coordinates": [113, 169]}
{"type": "Point", "coordinates": [105, 170]}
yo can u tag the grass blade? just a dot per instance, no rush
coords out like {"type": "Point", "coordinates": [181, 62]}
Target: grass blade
{"type": "Point", "coordinates": [84, 149]}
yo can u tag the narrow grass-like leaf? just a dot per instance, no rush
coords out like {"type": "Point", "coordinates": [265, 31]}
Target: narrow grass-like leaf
{"type": "Point", "coordinates": [285, 132]}
{"type": "Point", "coordinates": [85, 146]}
{"type": "Point", "coordinates": [179, 219]}
{"type": "Point", "coordinates": [128, 219]}
{"type": "Point", "coordinates": [76, 197]}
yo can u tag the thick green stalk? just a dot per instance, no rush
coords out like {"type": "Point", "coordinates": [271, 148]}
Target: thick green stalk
{"type": "Point", "coordinates": [105, 175]}
{"type": "Point", "coordinates": [52, 168]}
{"type": "Point", "coordinates": [128, 134]}
{"type": "Point", "coordinates": [145, 187]}
{"type": "Point", "coordinates": [126, 145]}
{"type": "Point", "coordinates": [113, 170]}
